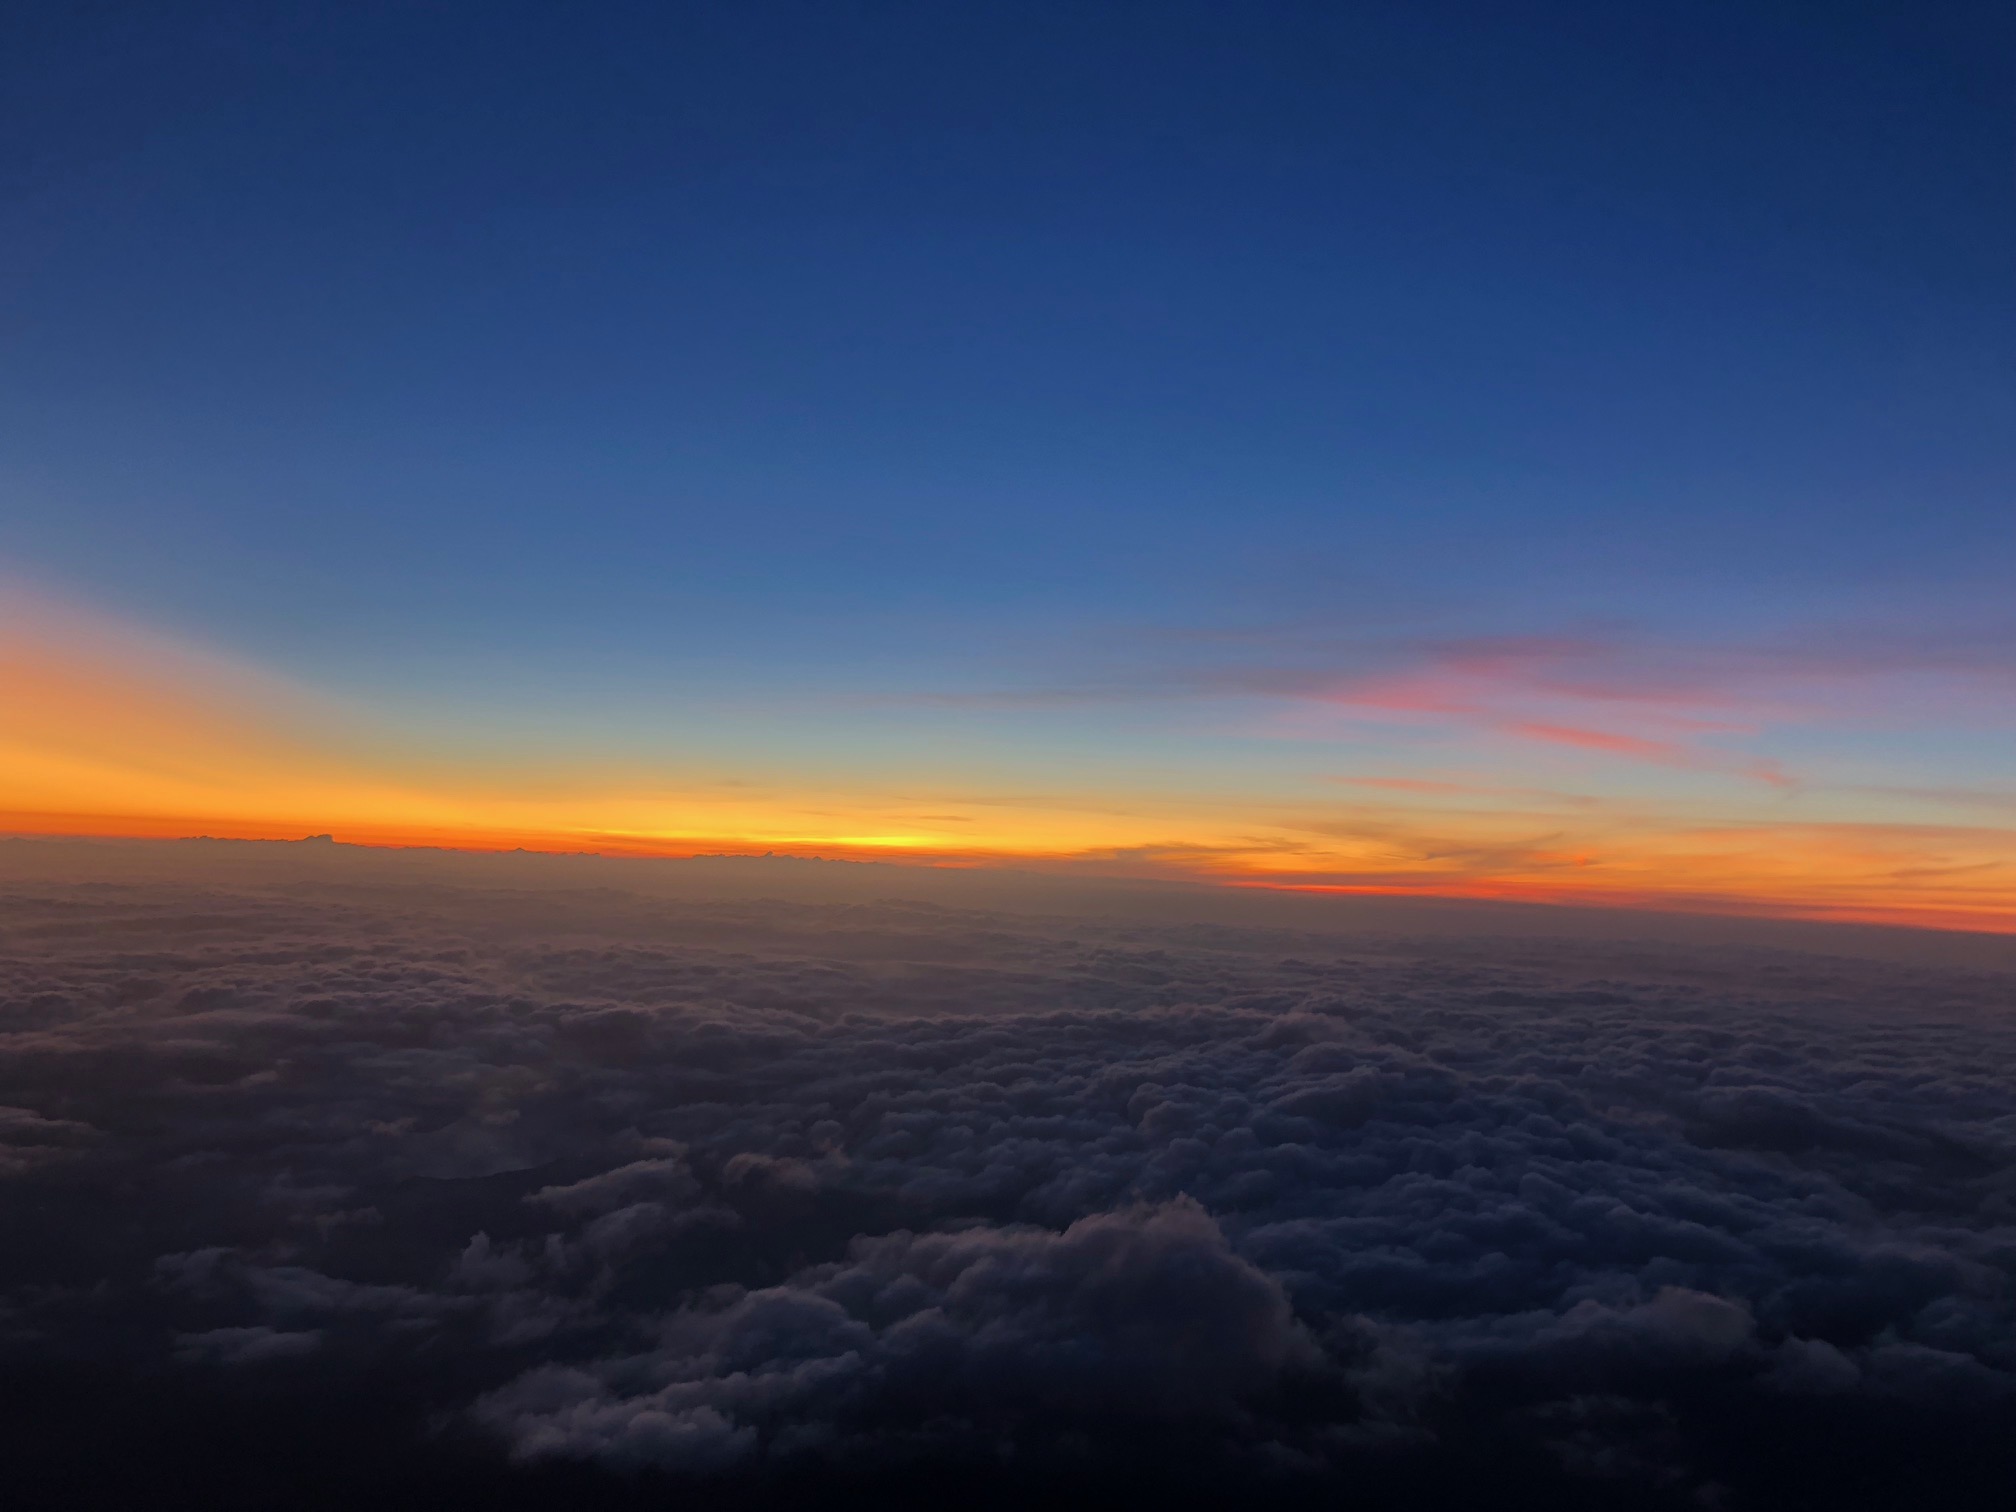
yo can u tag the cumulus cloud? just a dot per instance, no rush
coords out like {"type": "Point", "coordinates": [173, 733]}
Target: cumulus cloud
{"type": "Point", "coordinates": [1144, 1313]}
{"type": "Point", "coordinates": [246, 1346]}
{"type": "Point", "coordinates": [773, 1193]}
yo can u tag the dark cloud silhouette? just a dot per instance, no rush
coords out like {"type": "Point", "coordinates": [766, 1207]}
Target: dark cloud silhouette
{"type": "Point", "coordinates": [510, 1197]}
{"type": "Point", "coordinates": [1141, 1314]}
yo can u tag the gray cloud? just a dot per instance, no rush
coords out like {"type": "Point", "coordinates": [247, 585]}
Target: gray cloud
{"type": "Point", "coordinates": [744, 1190]}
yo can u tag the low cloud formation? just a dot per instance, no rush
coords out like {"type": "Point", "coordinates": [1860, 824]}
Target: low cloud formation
{"type": "Point", "coordinates": [1144, 1315]}
{"type": "Point", "coordinates": [322, 1191]}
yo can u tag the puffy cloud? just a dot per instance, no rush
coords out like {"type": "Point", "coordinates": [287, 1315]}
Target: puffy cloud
{"type": "Point", "coordinates": [780, 1193]}
{"type": "Point", "coordinates": [1141, 1314]}
{"type": "Point", "coordinates": [246, 1346]}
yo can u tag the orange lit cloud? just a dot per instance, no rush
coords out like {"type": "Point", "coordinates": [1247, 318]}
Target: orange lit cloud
{"type": "Point", "coordinates": [1552, 693]}
{"type": "Point", "coordinates": [1939, 876]}
{"type": "Point", "coordinates": [1660, 752]}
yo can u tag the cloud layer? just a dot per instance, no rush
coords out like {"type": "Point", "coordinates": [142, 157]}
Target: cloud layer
{"type": "Point", "coordinates": [565, 1196]}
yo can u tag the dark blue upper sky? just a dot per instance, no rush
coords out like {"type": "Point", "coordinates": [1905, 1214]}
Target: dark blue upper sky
{"type": "Point", "coordinates": [392, 341]}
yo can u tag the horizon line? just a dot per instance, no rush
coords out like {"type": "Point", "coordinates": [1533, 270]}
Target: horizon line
{"type": "Point", "coordinates": [1079, 868]}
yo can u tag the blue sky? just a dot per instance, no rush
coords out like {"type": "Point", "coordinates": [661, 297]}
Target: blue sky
{"type": "Point", "coordinates": [592, 369]}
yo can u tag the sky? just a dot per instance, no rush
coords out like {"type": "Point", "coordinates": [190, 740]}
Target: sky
{"type": "Point", "coordinates": [1558, 452]}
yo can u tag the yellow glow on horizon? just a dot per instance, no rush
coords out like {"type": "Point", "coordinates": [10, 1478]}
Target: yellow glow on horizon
{"type": "Point", "coordinates": [108, 731]}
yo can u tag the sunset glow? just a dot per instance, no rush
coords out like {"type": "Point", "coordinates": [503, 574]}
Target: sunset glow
{"type": "Point", "coordinates": [115, 732]}
{"type": "Point", "coordinates": [1063, 755]}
